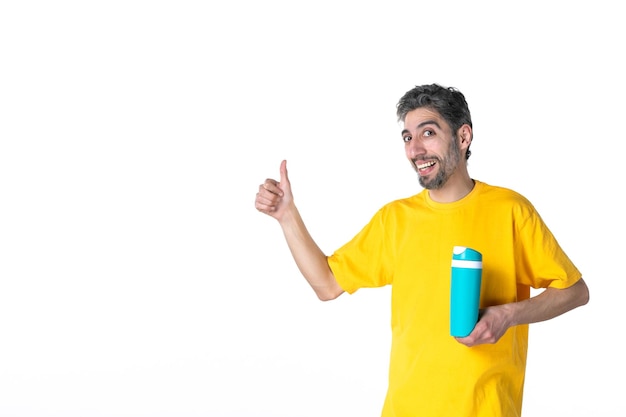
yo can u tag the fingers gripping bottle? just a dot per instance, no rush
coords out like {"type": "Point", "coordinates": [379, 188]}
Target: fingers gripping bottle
{"type": "Point", "coordinates": [466, 276]}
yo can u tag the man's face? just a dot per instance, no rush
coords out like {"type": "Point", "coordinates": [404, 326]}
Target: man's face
{"type": "Point", "coordinates": [431, 147]}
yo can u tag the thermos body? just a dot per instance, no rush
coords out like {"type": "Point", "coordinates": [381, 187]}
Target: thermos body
{"type": "Point", "coordinates": [465, 283]}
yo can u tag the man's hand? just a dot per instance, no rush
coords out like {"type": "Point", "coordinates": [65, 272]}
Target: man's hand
{"type": "Point", "coordinates": [274, 197]}
{"type": "Point", "coordinates": [490, 327]}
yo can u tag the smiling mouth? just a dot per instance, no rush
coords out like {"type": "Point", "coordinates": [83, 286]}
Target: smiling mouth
{"type": "Point", "coordinates": [425, 165]}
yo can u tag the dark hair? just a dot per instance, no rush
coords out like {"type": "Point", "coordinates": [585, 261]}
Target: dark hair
{"type": "Point", "coordinates": [449, 102]}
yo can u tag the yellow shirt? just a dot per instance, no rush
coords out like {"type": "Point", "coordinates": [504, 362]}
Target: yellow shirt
{"type": "Point", "coordinates": [408, 244]}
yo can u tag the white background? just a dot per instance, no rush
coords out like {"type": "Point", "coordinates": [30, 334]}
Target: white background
{"type": "Point", "coordinates": [136, 277]}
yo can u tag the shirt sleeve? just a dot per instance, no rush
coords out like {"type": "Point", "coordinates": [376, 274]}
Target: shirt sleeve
{"type": "Point", "coordinates": [363, 261]}
{"type": "Point", "coordinates": [540, 258]}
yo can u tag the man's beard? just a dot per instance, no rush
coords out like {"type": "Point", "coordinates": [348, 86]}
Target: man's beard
{"type": "Point", "coordinates": [446, 167]}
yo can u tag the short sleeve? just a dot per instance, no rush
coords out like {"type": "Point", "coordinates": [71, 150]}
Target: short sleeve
{"type": "Point", "coordinates": [541, 260]}
{"type": "Point", "coordinates": [364, 261]}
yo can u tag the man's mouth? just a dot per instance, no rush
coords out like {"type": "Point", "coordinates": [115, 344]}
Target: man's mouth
{"type": "Point", "coordinates": [425, 165]}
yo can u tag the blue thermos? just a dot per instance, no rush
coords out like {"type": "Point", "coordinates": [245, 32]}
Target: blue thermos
{"type": "Point", "coordinates": [466, 276]}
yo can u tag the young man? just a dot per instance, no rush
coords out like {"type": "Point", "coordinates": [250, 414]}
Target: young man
{"type": "Point", "coordinates": [408, 244]}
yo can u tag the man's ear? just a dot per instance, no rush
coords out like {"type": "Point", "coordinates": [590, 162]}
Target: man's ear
{"type": "Point", "coordinates": [465, 136]}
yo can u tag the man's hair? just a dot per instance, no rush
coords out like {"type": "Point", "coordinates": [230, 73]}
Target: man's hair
{"type": "Point", "coordinates": [449, 102]}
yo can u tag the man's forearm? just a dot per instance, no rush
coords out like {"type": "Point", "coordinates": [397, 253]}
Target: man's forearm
{"type": "Point", "coordinates": [309, 258]}
{"type": "Point", "coordinates": [552, 302]}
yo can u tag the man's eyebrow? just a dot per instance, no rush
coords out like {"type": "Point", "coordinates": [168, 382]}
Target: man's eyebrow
{"type": "Point", "coordinates": [429, 122]}
{"type": "Point", "coordinates": [424, 123]}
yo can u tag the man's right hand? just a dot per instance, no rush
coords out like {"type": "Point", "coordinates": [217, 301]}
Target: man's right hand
{"type": "Point", "coordinates": [275, 197]}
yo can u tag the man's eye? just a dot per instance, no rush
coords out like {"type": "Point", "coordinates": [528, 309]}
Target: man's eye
{"type": "Point", "coordinates": [428, 133]}
{"type": "Point", "coordinates": [406, 138]}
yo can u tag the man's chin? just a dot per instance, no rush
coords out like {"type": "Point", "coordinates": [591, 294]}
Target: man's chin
{"type": "Point", "coordinates": [433, 184]}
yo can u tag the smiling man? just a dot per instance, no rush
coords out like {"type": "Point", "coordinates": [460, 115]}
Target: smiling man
{"type": "Point", "coordinates": [408, 244]}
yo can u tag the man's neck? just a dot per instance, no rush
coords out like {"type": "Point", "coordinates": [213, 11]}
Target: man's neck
{"type": "Point", "coordinates": [455, 189]}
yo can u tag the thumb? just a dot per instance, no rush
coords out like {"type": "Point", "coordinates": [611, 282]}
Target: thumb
{"type": "Point", "coordinates": [284, 178]}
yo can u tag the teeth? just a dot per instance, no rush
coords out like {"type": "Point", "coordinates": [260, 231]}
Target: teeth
{"type": "Point", "coordinates": [425, 165]}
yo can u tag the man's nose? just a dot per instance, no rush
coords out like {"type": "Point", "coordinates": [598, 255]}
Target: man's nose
{"type": "Point", "coordinates": [415, 148]}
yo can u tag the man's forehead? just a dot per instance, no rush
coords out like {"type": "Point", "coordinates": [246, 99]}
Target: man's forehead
{"type": "Point", "coordinates": [422, 116]}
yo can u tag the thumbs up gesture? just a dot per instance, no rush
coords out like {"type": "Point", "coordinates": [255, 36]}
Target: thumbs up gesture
{"type": "Point", "coordinates": [274, 196]}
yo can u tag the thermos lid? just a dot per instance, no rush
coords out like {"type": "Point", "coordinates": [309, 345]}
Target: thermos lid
{"type": "Point", "coordinates": [463, 253]}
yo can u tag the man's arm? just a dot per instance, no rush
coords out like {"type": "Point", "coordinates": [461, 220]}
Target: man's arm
{"type": "Point", "coordinates": [276, 200]}
{"type": "Point", "coordinates": [552, 302]}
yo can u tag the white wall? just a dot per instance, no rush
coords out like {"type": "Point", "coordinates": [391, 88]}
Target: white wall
{"type": "Point", "coordinates": [136, 277]}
